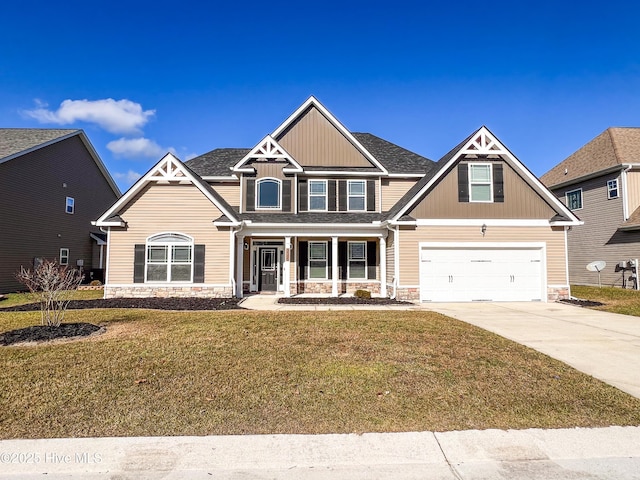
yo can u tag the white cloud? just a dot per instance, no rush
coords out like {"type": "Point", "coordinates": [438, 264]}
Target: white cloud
{"type": "Point", "coordinates": [115, 116]}
{"type": "Point", "coordinates": [137, 148]}
{"type": "Point", "coordinates": [128, 178]}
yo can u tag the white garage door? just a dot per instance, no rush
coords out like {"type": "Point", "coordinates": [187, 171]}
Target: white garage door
{"type": "Point", "coordinates": [481, 274]}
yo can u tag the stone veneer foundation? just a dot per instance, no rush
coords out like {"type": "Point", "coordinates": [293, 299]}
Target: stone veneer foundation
{"type": "Point", "coordinates": [148, 291]}
{"type": "Point", "coordinates": [553, 294]}
{"type": "Point", "coordinates": [327, 287]}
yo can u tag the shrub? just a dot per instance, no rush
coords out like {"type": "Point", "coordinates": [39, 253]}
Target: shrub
{"type": "Point", "coordinates": [362, 294]}
{"type": "Point", "coordinates": [95, 283]}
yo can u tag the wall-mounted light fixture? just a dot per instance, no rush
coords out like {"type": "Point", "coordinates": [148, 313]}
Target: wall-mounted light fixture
{"type": "Point", "coordinates": [246, 246]}
{"type": "Point", "coordinates": [484, 229]}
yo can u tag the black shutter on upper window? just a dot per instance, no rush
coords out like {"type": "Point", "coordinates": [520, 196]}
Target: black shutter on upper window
{"type": "Point", "coordinates": [342, 259]}
{"type": "Point", "coordinates": [286, 195]}
{"type": "Point", "coordinates": [302, 196]}
{"type": "Point", "coordinates": [498, 183]}
{"type": "Point", "coordinates": [302, 260]}
{"type": "Point", "coordinates": [198, 263]}
{"type": "Point", "coordinates": [250, 205]}
{"type": "Point", "coordinates": [371, 260]}
{"type": "Point", "coordinates": [371, 195]}
{"type": "Point", "coordinates": [342, 195]}
{"type": "Point", "coordinates": [331, 195]}
{"type": "Point", "coordinates": [138, 263]}
{"type": "Point", "coordinates": [463, 182]}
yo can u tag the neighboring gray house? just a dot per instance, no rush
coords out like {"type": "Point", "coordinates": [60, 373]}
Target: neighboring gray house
{"type": "Point", "coordinates": [600, 183]}
{"type": "Point", "coordinates": [52, 184]}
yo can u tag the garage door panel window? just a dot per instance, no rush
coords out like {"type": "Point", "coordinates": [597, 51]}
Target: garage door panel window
{"type": "Point", "coordinates": [480, 183]}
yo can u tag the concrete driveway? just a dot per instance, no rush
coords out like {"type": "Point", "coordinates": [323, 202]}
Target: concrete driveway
{"type": "Point", "coordinates": [604, 345]}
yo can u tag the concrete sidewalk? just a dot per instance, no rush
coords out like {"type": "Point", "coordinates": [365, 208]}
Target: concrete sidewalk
{"type": "Point", "coordinates": [270, 303]}
{"type": "Point", "coordinates": [603, 453]}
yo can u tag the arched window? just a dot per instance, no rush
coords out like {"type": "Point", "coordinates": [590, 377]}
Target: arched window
{"type": "Point", "coordinates": [169, 258]}
{"type": "Point", "coordinates": [268, 193]}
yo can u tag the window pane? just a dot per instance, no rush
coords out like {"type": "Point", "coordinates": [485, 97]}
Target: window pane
{"type": "Point", "coordinates": [317, 203]}
{"type": "Point", "coordinates": [317, 187]}
{"type": "Point", "coordinates": [157, 254]}
{"type": "Point", "coordinates": [357, 270]}
{"type": "Point", "coordinates": [357, 251]}
{"type": "Point", "coordinates": [481, 193]}
{"type": "Point", "coordinates": [356, 188]}
{"type": "Point", "coordinates": [317, 251]}
{"type": "Point", "coordinates": [156, 273]}
{"type": "Point", "coordinates": [181, 273]}
{"type": "Point", "coordinates": [480, 173]}
{"type": "Point", "coordinates": [356, 203]}
{"type": "Point", "coordinates": [574, 200]}
{"type": "Point", "coordinates": [268, 194]}
{"type": "Point", "coordinates": [317, 269]}
{"type": "Point", "coordinates": [181, 254]}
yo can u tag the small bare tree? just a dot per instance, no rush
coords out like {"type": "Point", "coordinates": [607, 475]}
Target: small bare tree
{"type": "Point", "coordinates": [51, 284]}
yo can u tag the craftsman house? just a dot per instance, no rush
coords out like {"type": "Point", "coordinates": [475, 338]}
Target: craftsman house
{"type": "Point", "coordinates": [52, 185]}
{"type": "Point", "coordinates": [600, 182]}
{"type": "Point", "coordinates": [315, 208]}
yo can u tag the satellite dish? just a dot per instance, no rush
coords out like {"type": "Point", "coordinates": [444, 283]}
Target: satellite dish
{"type": "Point", "coordinates": [596, 266]}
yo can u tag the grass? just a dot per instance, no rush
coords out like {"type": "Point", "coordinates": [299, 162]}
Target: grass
{"type": "Point", "coordinates": [203, 373]}
{"type": "Point", "coordinates": [616, 300]}
{"type": "Point", "coordinates": [14, 299]}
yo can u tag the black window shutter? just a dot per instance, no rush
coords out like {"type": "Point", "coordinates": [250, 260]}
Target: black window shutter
{"type": "Point", "coordinates": [329, 260]}
{"type": "Point", "coordinates": [371, 195]}
{"type": "Point", "coordinates": [198, 263]}
{"type": "Point", "coordinates": [302, 196]}
{"type": "Point", "coordinates": [463, 182]}
{"type": "Point", "coordinates": [286, 195]}
{"type": "Point", "coordinates": [498, 183]}
{"type": "Point", "coordinates": [342, 259]}
{"type": "Point", "coordinates": [342, 195]}
{"type": "Point", "coordinates": [371, 260]}
{"type": "Point", "coordinates": [302, 260]}
{"type": "Point", "coordinates": [331, 194]}
{"type": "Point", "coordinates": [138, 263]}
{"type": "Point", "coordinates": [250, 205]}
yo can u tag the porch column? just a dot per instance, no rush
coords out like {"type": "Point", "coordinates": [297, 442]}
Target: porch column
{"type": "Point", "coordinates": [383, 267]}
{"type": "Point", "coordinates": [286, 281]}
{"type": "Point", "coordinates": [334, 266]}
{"type": "Point", "coordinates": [239, 266]}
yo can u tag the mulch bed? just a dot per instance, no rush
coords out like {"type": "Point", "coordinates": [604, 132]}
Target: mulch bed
{"type": "Point", "coordinates": [340, 301]}
{"type": "Point", "coordinates": [172, 303]}
{"type": "Point", "coordinates": [42, 333]}
{"type": "Point", "coordinates": [582, 303]}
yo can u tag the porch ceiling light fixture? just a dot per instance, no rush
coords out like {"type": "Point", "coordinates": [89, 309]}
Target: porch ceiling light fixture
{"type": "Point", "coordinates": [483, 229]}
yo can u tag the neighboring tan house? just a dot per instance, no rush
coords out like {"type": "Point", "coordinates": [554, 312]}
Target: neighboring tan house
{"type": "Point", "coordinates": [315, 208]}
{"type": "Point", "coordinates": [52, 184]}
{"type": "Point", "coordinates": [601, 184]}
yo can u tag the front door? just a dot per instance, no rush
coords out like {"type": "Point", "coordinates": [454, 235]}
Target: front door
{"type": "Point", "coordinates": [268, 269]}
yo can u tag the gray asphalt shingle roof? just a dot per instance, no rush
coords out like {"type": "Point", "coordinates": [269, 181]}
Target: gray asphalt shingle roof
{"type": "Point", "coordinates": [17, 140]}
{"type": "Point", "coordinates": [217, 162]}
{"type": "Point", "coordinates": [394, 158]}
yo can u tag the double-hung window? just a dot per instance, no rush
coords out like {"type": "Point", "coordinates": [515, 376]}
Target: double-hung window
{"type": "Point", "coordinates": [268, 193]}
{"type": "Point", "coordinates": [318, 195]}
{"type": "Point", "coordinates": [574, 199]}
{"type": "Point", "coordinates": [318, 260]}
{"type": "Point", "coordinates": [64, 256]}
{"type": "Point", "coordinates": [612, 188]}
{"type": "Point", "coordinates": [356, 193]}
{"type": "Point", "coordinates": [169, 258]}
{"type": "Point", "coordinates": [480, 184]}
{"type": "Point", "coordinates": [357, 260]}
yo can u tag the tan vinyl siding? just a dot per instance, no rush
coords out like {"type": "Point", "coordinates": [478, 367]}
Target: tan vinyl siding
{"type": "Point", "coordinates": [33, 188]}
{"type": "Point", "coordinates": [393, 189]}
{"type": "Point", "coordinates": [553, 237]}
{"type": "Point", "coordinates": [230, 191]}
{"type": "Point", "coordinates": [169, 208]}
{"type": "Point", "coordinates": [599, 237]}
{"type": "Point", "coordinates": [313, 141]}
{"type": "Point", "coordinates": [633, 190]}
{"type": "Point", "coordinates": [391, 255]}
{"type": "Point", "coordinates": [520, 201]}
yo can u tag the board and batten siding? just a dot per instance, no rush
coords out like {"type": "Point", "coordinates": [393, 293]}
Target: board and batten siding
{"type": "Point", "coordinates": [553, 237]}
{"type": "Point", "coordinates": [33, 191]}
{"type": "Point", "coordinates": [520, 201]}
{"type": "Point", "coordinates": [169, 208]}
{"type": "Point", "coordinates": [229, 191]}
{"type": "Point", "coordinates": [393, 190]}
{"type": "Point", "coordinates": [599, 237]}
{"type": "Point", "coordinates": [313, 141]}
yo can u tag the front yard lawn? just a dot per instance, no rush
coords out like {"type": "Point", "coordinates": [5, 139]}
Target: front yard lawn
{"type": "Point", "coordinates": [241, 372]}
{"type": "Point", "coordinates": [615, 300]}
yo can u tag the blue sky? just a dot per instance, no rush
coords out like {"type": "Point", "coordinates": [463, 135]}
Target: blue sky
{"type": "Point", "coordinates": [145, 77]}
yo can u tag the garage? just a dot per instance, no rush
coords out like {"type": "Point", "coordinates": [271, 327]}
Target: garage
{"type": "Point", "coordinates": [498, 273]}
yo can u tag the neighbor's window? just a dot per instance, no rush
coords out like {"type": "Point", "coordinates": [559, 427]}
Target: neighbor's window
{"type": "Point", "coordinates": [356, 195]}
{"type": "Point", "coordinates": [64, 256]}
{"type": "Point", "coordinates": [318, 195]}
{"type": "Point", "coordinates": [612, 188]}
{"type": "Point", "coordinates": [169, 258]}
{"type": "Point", "coordinates": [480, 182]}
{"type": "Point", "coordinates": [574, 199]}
{"type": "Point", "coordinates": [70, 205]}
{"type": "Point", "coordinates": [268, 193]}
{"type": "Point", "coordinates": [318, 260]}
{"type": "Point", "coordinates": [357, 256]}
